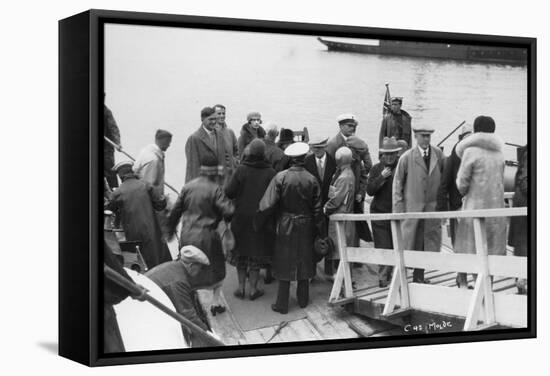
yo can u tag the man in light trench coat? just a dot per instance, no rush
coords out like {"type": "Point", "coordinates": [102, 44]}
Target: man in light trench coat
{"type": "Point", "coordinates": [415, 186]}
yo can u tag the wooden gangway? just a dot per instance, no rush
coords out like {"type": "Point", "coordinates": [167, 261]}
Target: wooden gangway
{"type": "Point", "coordinates": [481, 308]}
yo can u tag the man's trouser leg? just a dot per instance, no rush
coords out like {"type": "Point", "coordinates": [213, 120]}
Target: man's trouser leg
{"type": "Point", "coordinates": [283, 295]}
{"type": "Point", "coordinates": [302, 293]}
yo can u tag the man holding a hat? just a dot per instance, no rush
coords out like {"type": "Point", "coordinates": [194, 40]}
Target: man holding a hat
{"type": "Point", "coordinates": [250, 130]}
{"type": "Point", "coordinates": [294, 196]}
{"type": "Point", "coordinates": [137, 201]}
{"type": "Point", "coordinates": [179, 280]}
{"type": "Point", "coordinates": [415, 186]}
{"type": "Point", "coordinates": [201, 206]}
{"type": "Point", "coordinates": [205, 142]}
{"type": "Point", "coordinates": [379, 186]}
{"type": "Point", "coordinates": [397, 123]}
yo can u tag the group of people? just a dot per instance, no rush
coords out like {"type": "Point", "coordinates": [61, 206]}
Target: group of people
{"type": "Point", "coordinates": [275, 195]}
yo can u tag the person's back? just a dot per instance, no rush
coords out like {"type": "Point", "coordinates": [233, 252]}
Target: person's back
{"type": "Point", "coordinates": [297, 190]}
{"type": "Point", "coordinates": [199, 203]}
{"type": "Point", "coordinates": [134, 196]}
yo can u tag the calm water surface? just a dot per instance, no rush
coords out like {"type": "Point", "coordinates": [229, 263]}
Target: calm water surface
{"type": "Point", "coordinates": [159, 77]}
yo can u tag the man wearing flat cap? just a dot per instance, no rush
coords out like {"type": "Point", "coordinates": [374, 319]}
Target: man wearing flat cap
{"type": "Point", "coordinates": [207, 141]}
{"type": "Point", "coordinates": [415, 186]}
{"type": "Point", "coordinates": [250, 130]}
{"type": "Point", "coordinates": [178, 279]}
{"type": "Point", "coordinates": [294, 198]}
{"type": "Point", "coordinates": [137, 202]}
{"type": "Point", "coordinates": [396, 123]}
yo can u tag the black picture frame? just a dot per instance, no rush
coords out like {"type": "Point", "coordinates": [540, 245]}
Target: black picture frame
{"type": "Point", "coordinates": [80, 103]}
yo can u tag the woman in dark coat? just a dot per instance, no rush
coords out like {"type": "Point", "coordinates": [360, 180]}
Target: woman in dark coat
{"type": "Point", "coordinates": [253, 249]}
{"type": "Point", "coordinates": [295, 196]}
{"type": "Point", "coordinates": [379, 185]}
{"type": "Point", "coordinates": [517, 237]}
{"type": "Point", "coordinates": [201, 206]}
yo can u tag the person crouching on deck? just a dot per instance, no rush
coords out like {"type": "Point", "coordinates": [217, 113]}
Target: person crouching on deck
{"type": "Point", "coordinates": [179, 280]}
{"type": "Point", "coordinates": [201, 206]}
{"type": "Point", "coordinates": [295, 196]}
{"type": "Point", "coordinates": [480, 180]}
{"type": "Point", "coordinates": [253, 249]}
{"type": "Point", "coordinates": [341, 198]}
{"type": "Point", "coordinates": [379, 186]}
{"type": "Point", "coordinates": [137, 202]}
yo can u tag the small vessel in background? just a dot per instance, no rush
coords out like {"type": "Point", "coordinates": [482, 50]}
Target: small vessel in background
{"type": "Point", "coordinates": [483, 54]}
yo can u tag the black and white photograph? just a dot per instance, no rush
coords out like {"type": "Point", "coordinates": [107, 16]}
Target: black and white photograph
{"type": "Point", "coordinates": [274, 188]}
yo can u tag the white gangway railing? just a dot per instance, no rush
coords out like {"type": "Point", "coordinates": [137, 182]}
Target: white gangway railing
{"type": "Point", "coordinates": [479, 304]}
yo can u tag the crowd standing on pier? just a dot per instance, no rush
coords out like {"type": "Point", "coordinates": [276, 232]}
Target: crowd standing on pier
{"type": "Point", "coordinates": [275, 197]}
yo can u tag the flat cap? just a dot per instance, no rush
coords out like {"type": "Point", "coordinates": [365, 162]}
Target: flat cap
{"type": "Point", "coordinates": [397, 99]}
{"type": "Point", "coordinates": [423, 129]}
{"type": "Point", "coordinates": [297, 149]}
{"type": "Point", "coordinates": [318, 142]}
{"type": "Point", "coordinates": [191, 254]}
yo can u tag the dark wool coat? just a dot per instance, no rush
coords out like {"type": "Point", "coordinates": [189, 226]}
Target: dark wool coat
{"type": "Point", "coordinates": [247, 135]}
{"type": "Point", "coordinates": [415, 190]}
{"type": "Point", "coordinates": [294, 197]}
{"type": "Point", "coordinates": [448, 197]}
{"type": "Point", "coordinates": [111, 131]}
{"type": "Point", "coordinates": [481, 180]}
{"type": "Point", "coordinates": [246, 188]}
{"type": "Point", "coordinates": [201, 206]}
{"type": "Point", "coordinates": [398, 126]}
{"type": "Point", "coordinates": [518, 225]}
{"type": "Point", "coordinates": [199, 145]}
{"type": "Point", "coordinates": [310, 164]}
{"type": "Point", "coordinates": [174, 279]}
{"type": "Point", "coordinates": [380, 189]}
{"type": "Point", "coordinates": [273, 153]}
{"type": "Point", "coordinates": [137, 202]}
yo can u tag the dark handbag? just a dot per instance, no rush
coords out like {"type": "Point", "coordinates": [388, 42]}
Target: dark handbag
{"type": "Point", "coordinates": [323, 247]}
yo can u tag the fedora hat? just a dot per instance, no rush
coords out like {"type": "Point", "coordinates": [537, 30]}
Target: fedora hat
{"type": "Point", "coordinates": [389, 145]}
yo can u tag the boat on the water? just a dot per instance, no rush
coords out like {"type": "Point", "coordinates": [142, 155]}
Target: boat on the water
{"type": "Point", "coordinates": [484, 54]}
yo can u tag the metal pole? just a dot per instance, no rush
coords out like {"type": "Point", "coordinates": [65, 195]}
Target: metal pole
{"type": "Point", "coordinates": [139, 291]}
{"type": "Point", "coordinates": [450, 134]}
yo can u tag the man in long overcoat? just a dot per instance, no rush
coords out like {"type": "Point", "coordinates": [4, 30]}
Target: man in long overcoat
{"type": "Point", "coordinates": [137, 201]}
{"type": "Point", "coordinates": [295, 195]}
{"type": "Point", "coordinates": [273, 153]}
{"type": "Point", "coordinates": [415, 185]}
{"type": "Point", "coordinates": [480, 180]}
{"type": "Point", "coordinates": [205, 142]}
{"type": "Point", "coordinates": [396, 123]}
{"type": "Point", "coordinates": [201, 206]}
{"type": "Point", "coordinates": [230, 140]}
{"type": "Point", "coordinates": [379, 186]}
{"type": "Point", "coordinates": [178, 280]}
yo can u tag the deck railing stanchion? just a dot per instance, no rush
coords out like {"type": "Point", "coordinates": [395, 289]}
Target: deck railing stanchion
{"type": "Point", "coordinates": [399, 284]}
{"type": "Point", "coordinates": [344, 265]}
